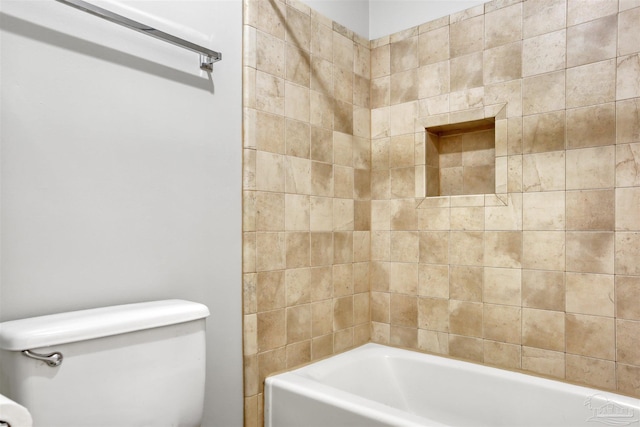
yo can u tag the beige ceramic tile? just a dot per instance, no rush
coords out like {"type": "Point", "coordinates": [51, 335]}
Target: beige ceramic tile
{"type": "Point", "coordinates": [627, 336]}
{"type": "Point", "coordinates": [543, 16]}
{"type": "Point", "coordinates": [590, 252]}
{"type": "Point", "coordinates": [298, 323]}
{"type": "Point", "coordinates": [466, 283]}
{"type": "Point", "coordinates": [627, 297]}
{"type": "Point", "coordinates": [591, 84]}
{"type": "Point", "coordinates": [590, 210]}
{"type": "Point", "coordinates": [543, 289]}
{"type": "Point", "coordinates": [381, 61]}
{"type": "Point", "coordinates": [380, 92]}
{"type": "Point", "coordinates": [269, 93]}
{"type": "Point", "coordinates": [627, 123]}
{"type": "Point", "coordinates": [342, 247]}
{"type": "Point", "coordinates": [404, 246]}
{"type": "Point", "coordinates": [269, 211]}
{"type": "Point", "coordinates": [466, 36]}
{"type": "Point", "coordinates": [579, 11]}
{"type": "Point", "coordinates": [628, 378]}
{"type": "Point", "coordinates": [321, 214]}
{"type": "Point", "coordinates": [342, 313]}
{"type": "Point", "coordinates": [543, 250]}
{"type": "Point", "coordinates": [627, 255]}
{"type": "Point", "coordinates": [544, 210]}
{"type": "Point", "coordinates": [297, 66]}
{"type": "Point", "coordinates": [543, 171]}
{"type": "Point", "coordinates": [543, 132]}
{"type": "Point", "coordinates": [433, 79]}
{"type": "Point", "coordinates": [592, 41]}
{"type": "Point", "coordinates": [404, 55]}
{"type": "Point", "coordinates": [434, 247]}
{"type": "Point", "coordinates": [469, 218]}
{"type": "Point", "coordinates": [270, 251]}
{"type": "Point", "coordinates": [433, 46]}
{"type": "Point", "coordinates": [298, 250]}
{"type": "Point", "coordinates": [465, 318]}
{"type": "Point", "coordinates": [321, 76]}
{"type": "Point", "coordinates": [271, 330]}
{"type": "Point", "coordinates": [591, 336]}
{"type": "Point", "coordinates": [502, 323]}
{"type": "Point", "coordinates": [433, 314]}
{"type": "Point", "coordinates": [404, 278]}
{"type": "Point", "coordinates": [628, 38]}
{"type": "Point", "coordinates": [590, 168]}
{"type": "Point", "coordinates": [402, 336]}
{"type": "Point", "coordinates": [466, 71]}
{"type": "Point", "coordinates": [503, 249]}
{"type": "Point", "coordinates": [506, 92]}
{"type": "Point", "coordinates": [593, 372]}
{"type": "Point", "coordinates": [298, 175]}
{"type": "Point", "coordinates": [544, 362]}
{"type": "Point", "coordinates": [297, 286]}
{"type": "Point", "coordinates": [503, 26]}
{"type": "Point", "coordinates": [342, 84]}
{"type": "Point", "coordinates": [627, 86]}
{"type": "Point", "coordinates": [502, 286]}
{"type": "Point", "coordinates": [466, 248]}
{"type": "Point", "coordinates": [403, 214]}
{"type": "Point", "coordinates": [269, 135]}
{"type": "Point", "coordinates": [543, 329]}
{"type": "Point", "coordinates": [502, 63]}
{"type": "Point", "coordinates": [266, 17]}
{"type": "Point", "coordinates": [508, 217]}
{"type": "Point", "coordinates": [402, 118]}
{"type": "Point", "coordinates": [543, 93]}
{"type": "Point", "coordinates": [433, 280]}
{"type": "Point", "coordinates": [468, 348]}
{"type": "Point", "coordinates": [591, 126]}
{"type": "Point", "coordinates": [544, 53]}
{"type": "Point", "coordinates": [297, 138]}
{"type": "Point", "coordinates": [590, 294]}
{"type": "Point", "coordinates": [628, 165]}
{"type": "Point", "coordinates": [404, 310]}
{"type": "Point", "coordinates": [627, 209]}
{"type": "Point", "coordinates": [503, 355]}
{"type": "Point", "coordinates": [380, 303]}
{"type": "Point", "coordinates": [433, 342]}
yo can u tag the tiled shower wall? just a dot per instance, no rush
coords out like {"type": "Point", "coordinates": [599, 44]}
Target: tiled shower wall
{"type": "Point", "coordinates": [545, 277]}
{"type": "Point", "coordinates": [307, 199]}
{"type": "Point", "coordinates": [340, 244]}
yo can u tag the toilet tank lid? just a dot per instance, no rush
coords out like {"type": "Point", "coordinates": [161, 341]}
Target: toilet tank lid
{"type": "Point", "coordinates": [56, 329]}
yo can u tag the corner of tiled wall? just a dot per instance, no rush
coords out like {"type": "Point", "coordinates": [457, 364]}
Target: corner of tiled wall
{"type": "Point", "coordinates": [306, 191]}
{"type": "Point", "coordinates": [340, 244]}
{"type": "Point", "coordinates": [537, 283]}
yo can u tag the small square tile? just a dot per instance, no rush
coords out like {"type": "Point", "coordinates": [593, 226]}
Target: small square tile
{"type": "Point", "coordinates": [591, 336]}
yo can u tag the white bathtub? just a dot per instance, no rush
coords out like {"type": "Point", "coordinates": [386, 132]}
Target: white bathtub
{"type": "Point", "coordinates": [375, 385]}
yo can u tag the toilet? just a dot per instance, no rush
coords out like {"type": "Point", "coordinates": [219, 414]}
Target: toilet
{"type": "Point", "coordinates": [132, 365]}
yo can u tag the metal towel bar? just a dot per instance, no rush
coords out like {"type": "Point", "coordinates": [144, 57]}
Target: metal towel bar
{"type": "Point", "coordinates": [207, 56]}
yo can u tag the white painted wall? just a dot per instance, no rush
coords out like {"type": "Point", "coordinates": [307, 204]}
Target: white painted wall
{"type": "Point", "coordinates": [353, 14]}
{"type": "Point", "coordinates": [390, 16]}
{"type": "Point", "coordinates": [373, 19]}
{"type": "Point", "coordinates": [121, 170]}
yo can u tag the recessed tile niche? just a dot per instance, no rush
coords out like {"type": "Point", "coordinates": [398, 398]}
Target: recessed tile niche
{"type": "Point", "coordinates": [461, 158]}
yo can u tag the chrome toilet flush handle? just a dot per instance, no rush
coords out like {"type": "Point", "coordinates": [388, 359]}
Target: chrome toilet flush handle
{"type": "Point", "coordinates": [52, 359]}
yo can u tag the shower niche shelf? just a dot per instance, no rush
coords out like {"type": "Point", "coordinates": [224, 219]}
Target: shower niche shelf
{"type": "Point", "coordinates": [461, 158]}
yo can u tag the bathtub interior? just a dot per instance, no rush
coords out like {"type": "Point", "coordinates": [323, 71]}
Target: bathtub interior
{"type": "Point", "coordinates": [453, 393]}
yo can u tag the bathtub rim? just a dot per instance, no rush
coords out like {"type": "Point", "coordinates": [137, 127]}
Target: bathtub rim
{"type": "Point", "coordinates": [296, 380]}
{"type": "Point", "coordinates": [526, 373]}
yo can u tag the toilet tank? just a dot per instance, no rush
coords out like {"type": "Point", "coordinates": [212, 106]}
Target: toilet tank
{"type": "Point", "coordinates": [129, 365]}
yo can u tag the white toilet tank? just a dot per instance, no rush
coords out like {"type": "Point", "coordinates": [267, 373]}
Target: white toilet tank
{"type": "Point", "coordinates": [128, 365]}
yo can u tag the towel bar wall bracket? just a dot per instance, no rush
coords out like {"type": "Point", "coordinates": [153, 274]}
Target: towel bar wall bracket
{"type": "Point", "coordinates": [207, 56]}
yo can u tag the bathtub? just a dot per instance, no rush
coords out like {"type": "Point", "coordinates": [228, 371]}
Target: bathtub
{"type": "Point", "coordinates": [376, 385]}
